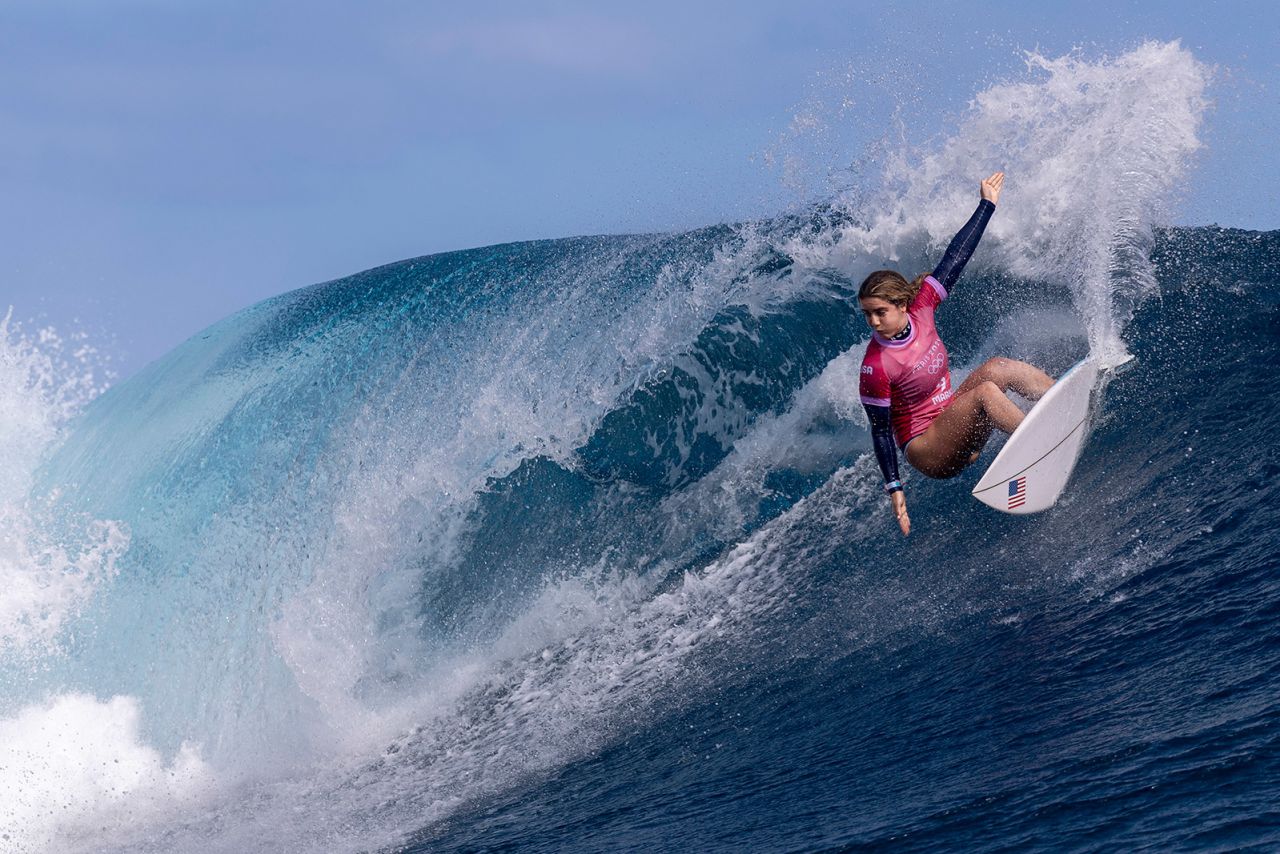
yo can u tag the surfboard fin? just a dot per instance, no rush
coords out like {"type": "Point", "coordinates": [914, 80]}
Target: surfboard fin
{"type": "Point", "coordinates": [1121, 365]}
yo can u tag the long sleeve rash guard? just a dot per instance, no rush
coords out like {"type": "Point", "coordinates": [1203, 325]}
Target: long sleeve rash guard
{"type": "Point", "coordinates": [947, 273]}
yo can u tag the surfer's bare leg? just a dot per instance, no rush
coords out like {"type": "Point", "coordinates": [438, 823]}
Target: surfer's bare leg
{"type": "Point", "coordinates": [1009, 375]}
{"type": "Point", "coordinates": [956, 436]}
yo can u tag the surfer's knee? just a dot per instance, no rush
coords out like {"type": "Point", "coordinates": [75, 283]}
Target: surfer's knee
{"type": "Point", "coordinates": [988, 371]}
{"type": "Point", "coordinates": [998, 370]}
{"type": "Point", "coordinates": [988, 390]}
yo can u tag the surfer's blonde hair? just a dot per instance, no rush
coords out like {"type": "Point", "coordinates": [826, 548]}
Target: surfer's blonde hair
{"type": "Point", "coordinates": [892, 286]}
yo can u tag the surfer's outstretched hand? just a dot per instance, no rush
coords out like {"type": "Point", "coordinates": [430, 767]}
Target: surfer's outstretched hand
{"type": "Point", "coordinates": [992, 186]}
{"type": "Point", "coordinates": [900, 510]}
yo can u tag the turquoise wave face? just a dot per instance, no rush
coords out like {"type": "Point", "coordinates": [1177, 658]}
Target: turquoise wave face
{"type": "Point", "coordinates": [406, 456]}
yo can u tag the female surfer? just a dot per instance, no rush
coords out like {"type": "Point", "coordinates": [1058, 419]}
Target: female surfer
{"type": "Point", "coordinates": [905, 382]}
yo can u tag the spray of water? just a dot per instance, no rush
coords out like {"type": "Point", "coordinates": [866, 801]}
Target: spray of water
{"type": "Point", "coordinates": [73, 755]}
{"type": "Point", "coordinates": [1095, 153]}
{"type": "Point", "coordinates": [49, 564]}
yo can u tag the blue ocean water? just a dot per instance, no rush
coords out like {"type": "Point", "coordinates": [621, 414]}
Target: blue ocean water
{"type": "Point", "coordinates": [578, 544]}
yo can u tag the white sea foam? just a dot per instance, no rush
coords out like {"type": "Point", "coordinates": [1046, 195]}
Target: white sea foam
{"type": "Point", "coordinates": [50, 561]}
{"type": "Point", "coordinates": [62, 760]}
{"type": "Point", "coordinates": [76, 766]}
{"type": "Point", "coordinates": [45, 579]}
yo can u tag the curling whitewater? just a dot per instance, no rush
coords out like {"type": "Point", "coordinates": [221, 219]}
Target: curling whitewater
{"type": "Point", "coordinates": [577, 545]}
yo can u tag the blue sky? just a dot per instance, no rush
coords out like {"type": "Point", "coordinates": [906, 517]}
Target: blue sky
{"type": "Point", "coordinates": [167, 163]}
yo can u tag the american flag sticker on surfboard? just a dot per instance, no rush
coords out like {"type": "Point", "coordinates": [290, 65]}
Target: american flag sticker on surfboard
{"type": "Point", "coordinates": [1032, 469]}
{"type": "Point", "coordinates": [1017, 492]}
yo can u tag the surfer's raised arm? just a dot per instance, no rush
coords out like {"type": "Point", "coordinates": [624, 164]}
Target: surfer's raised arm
{"type": "Point", "coordinates": [966, 240]}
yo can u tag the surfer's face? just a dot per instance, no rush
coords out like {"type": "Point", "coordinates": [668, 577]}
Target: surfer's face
{"type": "Point", "coordinates": [883, 316]}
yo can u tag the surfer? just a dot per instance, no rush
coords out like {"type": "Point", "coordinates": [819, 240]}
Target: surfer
{"type": "Point", "coordinates": [905, 383]}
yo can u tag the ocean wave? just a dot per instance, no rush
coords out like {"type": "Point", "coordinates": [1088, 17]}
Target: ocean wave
{"type": "Point", "coordinates": [388, 546]}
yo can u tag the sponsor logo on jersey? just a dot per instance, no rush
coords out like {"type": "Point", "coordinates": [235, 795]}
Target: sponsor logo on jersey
{"type": "Point", "coordinates": [941, 392]}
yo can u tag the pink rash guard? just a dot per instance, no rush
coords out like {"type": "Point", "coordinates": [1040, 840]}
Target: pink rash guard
{"type": "Point", "coordinates": [911, 377]}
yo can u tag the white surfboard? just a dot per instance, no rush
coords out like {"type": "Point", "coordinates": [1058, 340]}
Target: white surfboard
{"type": "Point", "coordinates": [1033, 467]}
